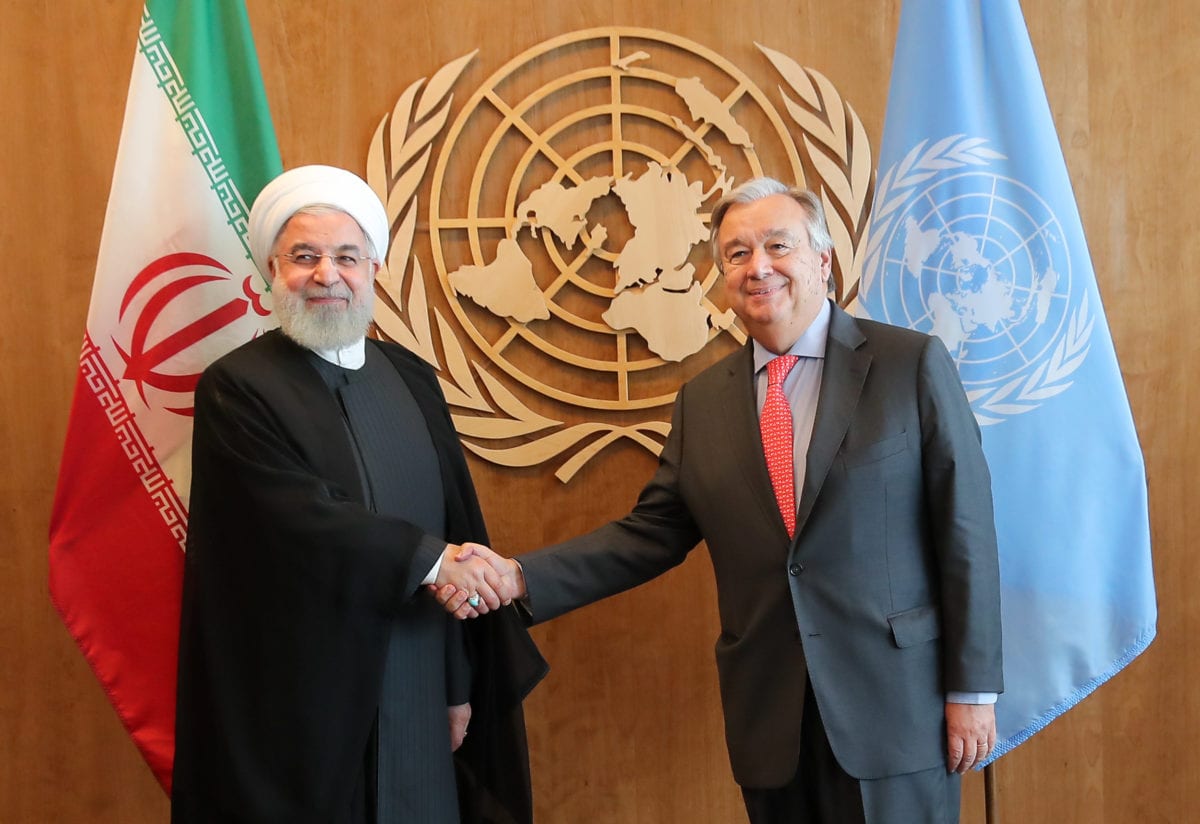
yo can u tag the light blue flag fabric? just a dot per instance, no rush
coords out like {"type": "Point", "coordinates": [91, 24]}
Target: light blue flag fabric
{"type": "Point", "coordinates": [975, 237]}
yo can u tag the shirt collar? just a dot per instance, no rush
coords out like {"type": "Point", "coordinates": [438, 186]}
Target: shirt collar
{"type": "Point", "coordinates": [347, 357]}
{"type": "Point", "coordinates": [811, 344]}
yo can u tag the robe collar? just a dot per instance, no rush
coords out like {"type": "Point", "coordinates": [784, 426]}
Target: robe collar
{"type": "Point", "coordinates": [352, 356]}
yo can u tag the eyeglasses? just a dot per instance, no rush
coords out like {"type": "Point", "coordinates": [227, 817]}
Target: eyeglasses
{"type": "Point", "coordinates": [308, 261]}
{"type": "Point", "coordinates": [740, 255]}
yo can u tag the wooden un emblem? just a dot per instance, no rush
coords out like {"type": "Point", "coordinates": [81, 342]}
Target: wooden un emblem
{"type": "Point", "coordinates": [567, 229]}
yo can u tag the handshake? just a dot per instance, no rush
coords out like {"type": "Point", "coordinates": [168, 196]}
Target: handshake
{"type": "Point", "coordinates": [473, 581]}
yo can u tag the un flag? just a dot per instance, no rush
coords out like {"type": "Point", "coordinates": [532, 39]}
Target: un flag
{"type": "Point", "coordinates": [975, 237]}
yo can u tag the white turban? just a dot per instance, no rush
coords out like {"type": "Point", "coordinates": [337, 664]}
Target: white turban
{"type": "Point", "coordinates": [310, 186]}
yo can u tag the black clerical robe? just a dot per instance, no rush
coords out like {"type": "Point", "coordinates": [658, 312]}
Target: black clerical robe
{"type": "Point", "coordinates": [292, 590]}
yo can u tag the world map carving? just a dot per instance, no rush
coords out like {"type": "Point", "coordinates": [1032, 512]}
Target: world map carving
{"type": "Point", "coordinates": [656, 291]}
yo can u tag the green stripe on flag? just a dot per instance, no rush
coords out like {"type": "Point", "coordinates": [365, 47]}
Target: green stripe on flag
{"type": "Point", "coordinates": [212, 51]}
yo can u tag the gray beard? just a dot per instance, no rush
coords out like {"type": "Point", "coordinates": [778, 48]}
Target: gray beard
{"type": "Point", "coordinates": [322, 327]}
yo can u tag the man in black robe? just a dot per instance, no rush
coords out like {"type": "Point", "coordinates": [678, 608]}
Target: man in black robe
{"type": "Point", "coordinates": [317, 680]}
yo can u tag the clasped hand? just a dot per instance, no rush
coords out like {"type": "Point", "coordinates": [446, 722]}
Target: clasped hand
{"type": "Point", "coordinates": [473, 581]}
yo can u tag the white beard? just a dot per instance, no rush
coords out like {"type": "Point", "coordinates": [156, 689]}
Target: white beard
{"type": "Point", "coordinates": [323, 327]}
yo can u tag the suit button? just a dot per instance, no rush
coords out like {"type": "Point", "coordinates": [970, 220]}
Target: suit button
{"type": "Point", "coordinates": [796, 569]}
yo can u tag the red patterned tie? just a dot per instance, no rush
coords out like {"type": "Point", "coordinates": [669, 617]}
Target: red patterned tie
{"type": "Point", "coordinates": [776, 426]}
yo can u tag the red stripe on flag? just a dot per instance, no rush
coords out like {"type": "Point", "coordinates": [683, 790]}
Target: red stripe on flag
{"type": "Point", "coordinates": [116, 561]}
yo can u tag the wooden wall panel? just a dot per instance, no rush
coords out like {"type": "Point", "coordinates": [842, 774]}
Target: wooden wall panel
{"type": "Point", "coordinates": [627, 728]}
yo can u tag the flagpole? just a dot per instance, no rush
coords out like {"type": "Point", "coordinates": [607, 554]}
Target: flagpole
{"type": "Point", "coordinates": [991, 814]}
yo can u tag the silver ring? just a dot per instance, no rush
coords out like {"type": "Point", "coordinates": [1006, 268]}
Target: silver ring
{"type": "Point", "coordinates": [474, 599]}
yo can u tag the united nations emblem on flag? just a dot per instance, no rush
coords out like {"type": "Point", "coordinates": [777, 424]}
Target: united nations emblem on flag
{"type": "Point", "coordinates": [567, 221]}
{"type": "Point", "coordinates": [979, 259]}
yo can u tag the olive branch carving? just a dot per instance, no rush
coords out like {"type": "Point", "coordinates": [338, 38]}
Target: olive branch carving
{"type": "Point", "coordinates": [839, 150]}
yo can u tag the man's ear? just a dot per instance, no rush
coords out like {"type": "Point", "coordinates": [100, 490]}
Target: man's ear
{"type": "Point", "coordinates": [827, 261]}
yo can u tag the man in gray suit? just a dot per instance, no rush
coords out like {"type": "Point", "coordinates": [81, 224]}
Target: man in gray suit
{"type": "Point", "coordinates": [860, 654]}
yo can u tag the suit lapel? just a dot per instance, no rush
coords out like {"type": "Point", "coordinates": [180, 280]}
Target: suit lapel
{"type": "Point", "coordinates": [842, 379]}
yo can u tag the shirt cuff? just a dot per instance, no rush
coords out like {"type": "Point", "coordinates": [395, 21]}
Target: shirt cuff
{"type": "Point", "coordinates": [433, 573]}
{"type": "Point", "coordinates": [972, 697]}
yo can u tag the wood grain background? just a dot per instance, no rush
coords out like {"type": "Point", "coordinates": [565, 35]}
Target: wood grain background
{"type": "Point", "coordinates": [627, 728]}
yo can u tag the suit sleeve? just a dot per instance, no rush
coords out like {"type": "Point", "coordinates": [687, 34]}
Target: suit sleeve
{"type": "Point", "coordinates": [656, 536]}
{"type": "Point", "coordinates": [959, 499]}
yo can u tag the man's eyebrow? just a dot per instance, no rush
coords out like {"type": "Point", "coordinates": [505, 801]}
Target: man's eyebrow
{"type": "Point", "coordinates": [775, 234]}
{"type": "Point", "coordinates": [302, 245]}
{"type": "Point", "coordinates": [770, 234]}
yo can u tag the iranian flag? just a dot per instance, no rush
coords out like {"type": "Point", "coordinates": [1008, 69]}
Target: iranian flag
{"type": "Point", "coordinates": [174, 289]}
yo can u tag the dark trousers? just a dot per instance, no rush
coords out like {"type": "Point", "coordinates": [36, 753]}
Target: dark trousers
{"type": "Point", "coordinates": [821, 792]}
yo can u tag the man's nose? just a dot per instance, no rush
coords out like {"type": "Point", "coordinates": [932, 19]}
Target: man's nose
{"type": "Point", "coordinates": [326, 272]}
{"type": "Point", "coordinates": [761, 263]}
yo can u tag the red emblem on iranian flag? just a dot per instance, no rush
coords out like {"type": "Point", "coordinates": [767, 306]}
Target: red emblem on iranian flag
{"type": "Point", "coordinates": [170, 281]}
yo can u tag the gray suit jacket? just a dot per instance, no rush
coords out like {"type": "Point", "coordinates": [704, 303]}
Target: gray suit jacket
{"type": "Point", "coordinates": [888, 596]}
